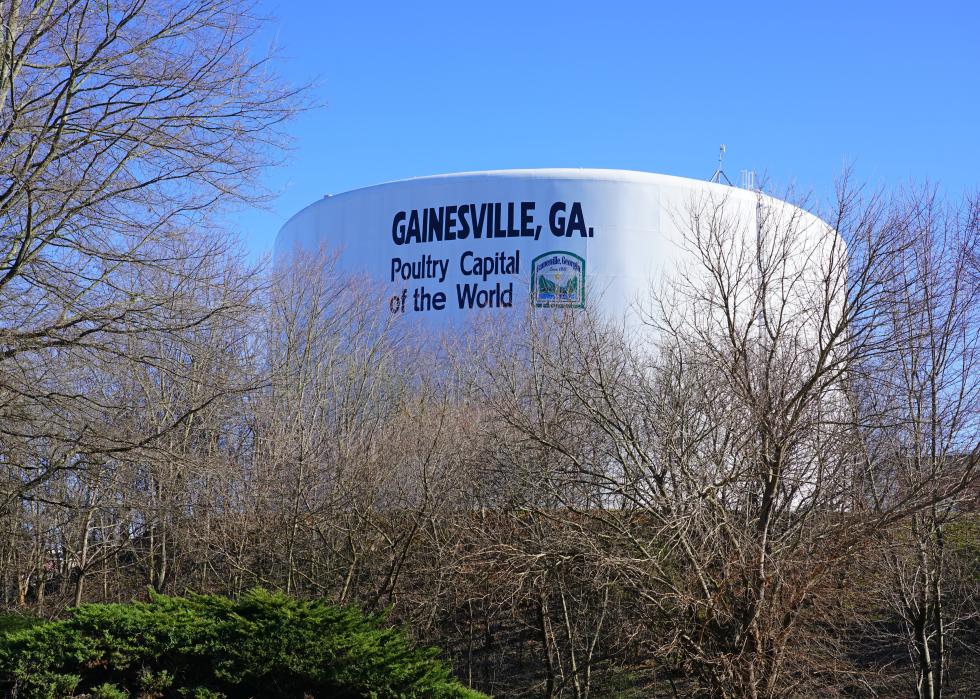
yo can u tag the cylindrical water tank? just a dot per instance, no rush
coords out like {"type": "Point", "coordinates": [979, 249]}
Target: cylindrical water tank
{"type": "Point", "coordinates": [449, 247]}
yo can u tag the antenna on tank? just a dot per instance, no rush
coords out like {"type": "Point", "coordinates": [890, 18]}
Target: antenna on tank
{"type": "Point", "coordinates": [719, 173]}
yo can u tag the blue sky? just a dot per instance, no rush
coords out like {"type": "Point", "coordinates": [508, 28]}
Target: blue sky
{"type": "Point", "coordinates": [795, 90]}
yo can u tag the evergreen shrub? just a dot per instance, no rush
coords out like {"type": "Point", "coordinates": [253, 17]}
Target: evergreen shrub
{"type": "Point", "coordinates": [209, 647]}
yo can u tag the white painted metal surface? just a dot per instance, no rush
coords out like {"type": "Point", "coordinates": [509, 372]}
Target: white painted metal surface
{"type": "Point", "coordinates": [450, 247]}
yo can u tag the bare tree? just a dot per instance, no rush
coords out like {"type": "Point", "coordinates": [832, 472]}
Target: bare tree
{"type": "Point", "coordinates": [123, 125]}
{"type": "Point", "coordinates": [717, 459]}
{"type": "Point", "coordinates": [921, 424]}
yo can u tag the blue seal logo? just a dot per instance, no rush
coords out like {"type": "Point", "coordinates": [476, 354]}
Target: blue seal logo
{"type": "Point", "coordinates": [558, 280]}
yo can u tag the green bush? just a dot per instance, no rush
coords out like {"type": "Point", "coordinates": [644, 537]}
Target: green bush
{"type": "Point", "coordinates": [263, 645]}
{"type": "Point", "coordinates": [14, 622]}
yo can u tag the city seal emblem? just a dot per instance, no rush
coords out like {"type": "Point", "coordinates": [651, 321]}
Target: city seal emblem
{"type": "Point", "coordinates": [558, 280]}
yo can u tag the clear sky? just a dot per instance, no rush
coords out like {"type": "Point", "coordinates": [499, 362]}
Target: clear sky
{"type": "Point", "coordinates": [794, 89]}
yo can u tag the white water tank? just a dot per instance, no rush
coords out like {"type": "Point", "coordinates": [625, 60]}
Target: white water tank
{"type": "Point", "coordinates": [449, 247]}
